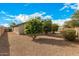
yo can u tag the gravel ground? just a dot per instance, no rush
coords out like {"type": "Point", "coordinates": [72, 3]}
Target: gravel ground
{"type": "Point", "coordinates": [22, 45]}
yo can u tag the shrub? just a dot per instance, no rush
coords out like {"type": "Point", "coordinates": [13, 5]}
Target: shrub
{"type": "Point", "coordinates": [69, 34]}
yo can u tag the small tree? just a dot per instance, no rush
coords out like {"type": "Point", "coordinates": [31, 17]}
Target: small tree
{"type": "Point", "coordinates": [47, 24]}
{"type": "Point", "coordinates": [55, 27]}
{"type": "Point", "coordinates": [71, 24]}
{"type": "Point", "coordinates": [33, 27]}
{"type": "Point", "coordinates": [75, 16]}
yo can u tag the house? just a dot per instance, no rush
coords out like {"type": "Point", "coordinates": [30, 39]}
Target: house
{"type": "Point", "coordinates": [77, 31]}
{"type": "Point", "coordinates": [19, 29]}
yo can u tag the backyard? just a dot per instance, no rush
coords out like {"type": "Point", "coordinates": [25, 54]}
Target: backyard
{"type": "Point", "coordinates": [23, 45]}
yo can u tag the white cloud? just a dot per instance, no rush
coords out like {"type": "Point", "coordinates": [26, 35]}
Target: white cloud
{"type": "Point", "coordinates": [77, 6]}
{"type": "Point", "coordinates": [5, 25]}
{"type": "Point", "coordinates": [70, 5]}
{"type": "Point", "coordinates": [66, 5]}
{"type": "Point", "coordinates": [37, 14]}
{"type": "Point", "coordinates": [63, 8]}
{"type": "Point", "coordinates": [7, 15]}
{"type": "Point", "coordinates": [8, 19]}
{"type": "Point", "coordinates": [2, 12]}
{"type": "Point", "coordinates": [22, 17]}
{"type": "Point", "coordinates": [60, 21]}
{"type": "Point", "coordinates": [25, 17]}
{"type": "Point", "coordinates": [48, 16]}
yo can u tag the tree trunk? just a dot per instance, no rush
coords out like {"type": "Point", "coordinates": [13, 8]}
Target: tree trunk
{"type": "Point", "coordinates": [46, 32]}
{"type": "Point", "coordinates": [34, 37]}
{"type": "Point", "coordinates": [53, 32]}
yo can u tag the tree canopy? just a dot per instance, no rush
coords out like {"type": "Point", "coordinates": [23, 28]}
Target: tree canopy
{"type": "Point", "coordinates": [33, 27]}
{"type": "Point", "coordinates": [55, 27]}
{"type": "Point", "coordinates": [74, 22]}
{"type": "Point", "coordinates": [47, 24]}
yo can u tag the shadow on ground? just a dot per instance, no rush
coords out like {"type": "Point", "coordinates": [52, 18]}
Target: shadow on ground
{"type": "Point", "coordinates": [4, 45]}
{"type": "Point", "coordinates": [54, 42]}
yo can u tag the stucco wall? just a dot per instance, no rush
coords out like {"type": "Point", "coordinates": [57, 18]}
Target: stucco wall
{"type": "Point", "coordinates": [1, 31]}
{"type": "Point", "coordinates": [19, 29]}
{"type": "Point", "coordinates": [16, 30]}
{"type": "Point", "coordinates": [77, 31]}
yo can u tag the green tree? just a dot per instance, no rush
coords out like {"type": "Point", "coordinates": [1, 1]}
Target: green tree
{"type": "Point", "coordinates": [47, 25]}
{"type": "Point", "coordinates": [33, 27]}
{"type": "Point", "coordinates": [55, 27]}
{"type": "Point", "coordinates": [75, 16]}
{"type": "Point", "coordinates": [74, 22]}
{"type": "Point", "coordinates": [71, 24]}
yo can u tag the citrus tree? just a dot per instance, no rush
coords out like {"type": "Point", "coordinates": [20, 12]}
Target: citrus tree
{"type": "Point", "coordinates": [33, 27]}
{"type": "Point", "coordinates": [47, 25]}
{"type": "Point", "coordinates": [71, 24]}
{"type": "Point", "coordinates": [74, 22]}
{"type": "Point", "coordinates": [54, 28]}
{"type": "Point", "coordinates": [75, 16]}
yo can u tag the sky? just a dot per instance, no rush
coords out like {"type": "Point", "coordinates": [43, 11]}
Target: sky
{"type": "Point", "coordinates": [21, 12]}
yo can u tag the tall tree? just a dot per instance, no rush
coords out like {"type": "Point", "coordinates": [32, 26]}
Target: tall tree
{"type": "Point", "coordinates": [74, 22]}
{"type": "Point", "coordinates": [55, 27]}
{"type": "Point", "coordinates": [47, 25]}
{"type": "Point", "coordinates": [75, 16]}
{"type": "Point", "coordinates": [33, 27]}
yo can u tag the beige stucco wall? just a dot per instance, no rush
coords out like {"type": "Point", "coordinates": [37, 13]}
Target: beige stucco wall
{"type": "Point", "coordinates": [19, 29]}
{"type": "Point", "coordinates": [15, 30]}
{"type": "Point", "coordinates": [77, 31]}
{"type": "Point", "coordinates": [1, 31]}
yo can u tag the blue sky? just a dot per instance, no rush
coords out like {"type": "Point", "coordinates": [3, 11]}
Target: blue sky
{"type": "Point", "coordinates": [20, 12]}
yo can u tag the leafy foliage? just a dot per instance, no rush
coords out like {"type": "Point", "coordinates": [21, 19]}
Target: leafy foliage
{"type": "Point", "coordinates": [47, 25]}
{"type": "Point", "coordinates": [75, 16]}
{"type": "Point", "coordinates": [69, 34]}
{"type": "Point", "coordinates": [33, 27]}
{"type": "Point", "coordinates": [71, 24]}
{"type": "Point", "coordinates": [74, 22]}
{"type": "Point", "coordinates": [55, 27]}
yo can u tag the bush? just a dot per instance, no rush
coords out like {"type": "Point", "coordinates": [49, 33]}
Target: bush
{"type": "Point", "coordinates": [69, 34]}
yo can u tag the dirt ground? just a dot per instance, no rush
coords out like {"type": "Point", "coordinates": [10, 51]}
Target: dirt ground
{"type": "Point", "coordinates": [22, 45]}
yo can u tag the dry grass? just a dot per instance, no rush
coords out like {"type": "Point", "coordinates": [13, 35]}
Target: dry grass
{"type": "Point", "coordinates": [22, 45]}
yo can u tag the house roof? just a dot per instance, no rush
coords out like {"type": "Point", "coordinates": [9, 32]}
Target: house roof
{"type": "Point", "coordinates": [19, 24]}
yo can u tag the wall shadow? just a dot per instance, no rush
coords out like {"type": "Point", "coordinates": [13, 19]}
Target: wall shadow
{"type": "Point", "coordinates": [53, 42]}
{"type": "Point", "coordinates": [4, 45]}
{"type": "Point", "coordinates": [53, 35]}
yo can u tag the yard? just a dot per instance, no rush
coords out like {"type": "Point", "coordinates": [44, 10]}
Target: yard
{"type": "Point", "coordinates": [22, 45]}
